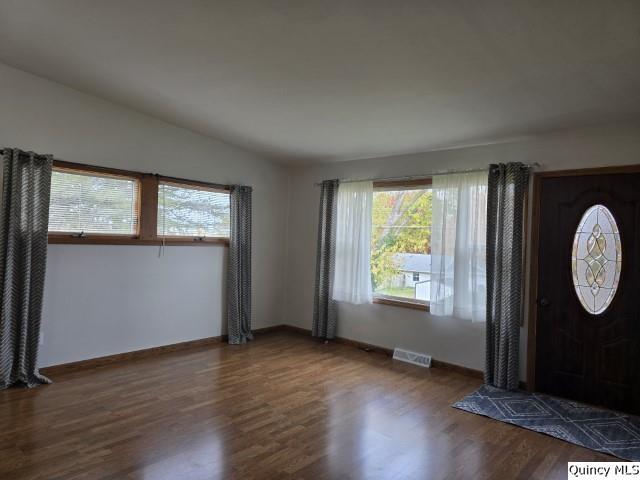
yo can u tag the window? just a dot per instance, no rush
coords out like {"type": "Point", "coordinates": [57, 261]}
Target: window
{"type": "Point", "coordinates": [596, 259]}
{"type": "Point", "coordinates": [107, 206]}
{"type": "Point", "coordinates": [90, 203]}
{"type": "Point", "coordinates": [190, 211]}
{"type": "Point", "coordinates": [401, 241]}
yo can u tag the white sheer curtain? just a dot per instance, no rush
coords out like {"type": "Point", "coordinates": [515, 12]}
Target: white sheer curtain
{"type": "Point", "coordinates": [352, 280]}
{"type": "Point", "coordinates": [458, 245]}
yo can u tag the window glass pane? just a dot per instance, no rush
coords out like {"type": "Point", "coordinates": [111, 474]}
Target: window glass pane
{"type": "Point", "coordinates": [192, 212]}
{"type": "Point", "coordinates": [93, 204]}
{"type": "Point", "coordinates": [401, 243]}
{"type": "Point", "coordinates": [596, 259]}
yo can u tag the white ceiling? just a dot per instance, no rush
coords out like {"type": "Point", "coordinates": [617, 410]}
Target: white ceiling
{"type": "Point", "coordinates": [323, 80]}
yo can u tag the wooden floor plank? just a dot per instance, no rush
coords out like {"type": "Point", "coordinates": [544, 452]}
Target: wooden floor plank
{"type": "Point", "coordinates": [283, 406]}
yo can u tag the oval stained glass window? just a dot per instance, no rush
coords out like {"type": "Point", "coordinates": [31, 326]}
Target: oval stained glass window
{"type": "Point", "coordinates": [596, 259]}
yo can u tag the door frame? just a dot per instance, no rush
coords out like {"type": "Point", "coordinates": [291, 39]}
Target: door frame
{"type": "Point", "coordinates": [532, 308]}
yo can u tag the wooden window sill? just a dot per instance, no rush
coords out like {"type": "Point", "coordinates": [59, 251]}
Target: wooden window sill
{"type": "Point", "coordinates": [401, 303]}
{"type": "Point", "coordinates": [124, 240]}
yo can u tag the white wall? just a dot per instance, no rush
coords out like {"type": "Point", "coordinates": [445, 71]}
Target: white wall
{"type": "Point", "coordinates": [101, 300]}
{"type": "Point", "coordinates": [447, 339]}
{"type": "Point", "coordinates": [107, 299]}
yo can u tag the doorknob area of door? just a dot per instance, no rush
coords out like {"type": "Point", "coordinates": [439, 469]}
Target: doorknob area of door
{"type": "Point", "coordinates": [543, 302]}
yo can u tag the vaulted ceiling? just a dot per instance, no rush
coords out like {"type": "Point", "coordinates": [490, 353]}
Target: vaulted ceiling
{"type": "Point", "coordinates": [306, 81]}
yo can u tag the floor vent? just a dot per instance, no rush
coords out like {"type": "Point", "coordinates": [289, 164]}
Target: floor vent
{"type": "Point", "coordinates": [412, 357]}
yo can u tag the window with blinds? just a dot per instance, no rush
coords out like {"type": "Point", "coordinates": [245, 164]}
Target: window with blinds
{"type": "Point", "coordinates": [189, 211]}
{"type": "Point", "coordinates": [401, 241]}
{"type": "Point", "coordinates": [93, 203]}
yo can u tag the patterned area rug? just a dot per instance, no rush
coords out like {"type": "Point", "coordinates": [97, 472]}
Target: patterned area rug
{"type": "Point", "coordinates": [591, 427]}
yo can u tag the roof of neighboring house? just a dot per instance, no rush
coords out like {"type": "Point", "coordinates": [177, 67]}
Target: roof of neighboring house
{"type": "Point", "coordinates": [413, 262]}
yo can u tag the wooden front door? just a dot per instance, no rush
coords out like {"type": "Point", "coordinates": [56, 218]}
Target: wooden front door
{"type": "Point", "coordinates": [588, 292]}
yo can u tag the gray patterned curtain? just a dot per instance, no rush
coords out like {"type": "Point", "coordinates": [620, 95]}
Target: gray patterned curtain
{"type": "Point", "coordinates": [239, 276]}
{"type": "Point", "coordinates": [324, 308]}
{"type": "Point", "coordinates": [505, 227]}
{"type": "Point", "coordinates": [24, 223]}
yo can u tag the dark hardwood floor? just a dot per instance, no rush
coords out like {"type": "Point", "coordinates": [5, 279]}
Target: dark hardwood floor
{"type": "Point", "coordinates": [281, 407]}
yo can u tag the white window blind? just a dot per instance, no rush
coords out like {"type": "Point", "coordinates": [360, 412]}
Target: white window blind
{"type": "Point", "coordinates": [93, 203]}
{"type": "Point", "coordinates": [189, 211]}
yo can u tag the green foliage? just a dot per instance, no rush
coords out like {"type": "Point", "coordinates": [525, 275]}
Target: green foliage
{"type": "Point", "coordinates": [383, 266]}
{"type": "Point", "coordinates": [401, 224]}
{"type": "Point", "coordinates": [406, 292]}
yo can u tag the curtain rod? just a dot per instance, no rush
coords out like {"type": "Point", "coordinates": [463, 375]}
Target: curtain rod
{"type": "Point", "coordinates": [423, 175]}
{"type": "Point", "coordinates": [118, 171]}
